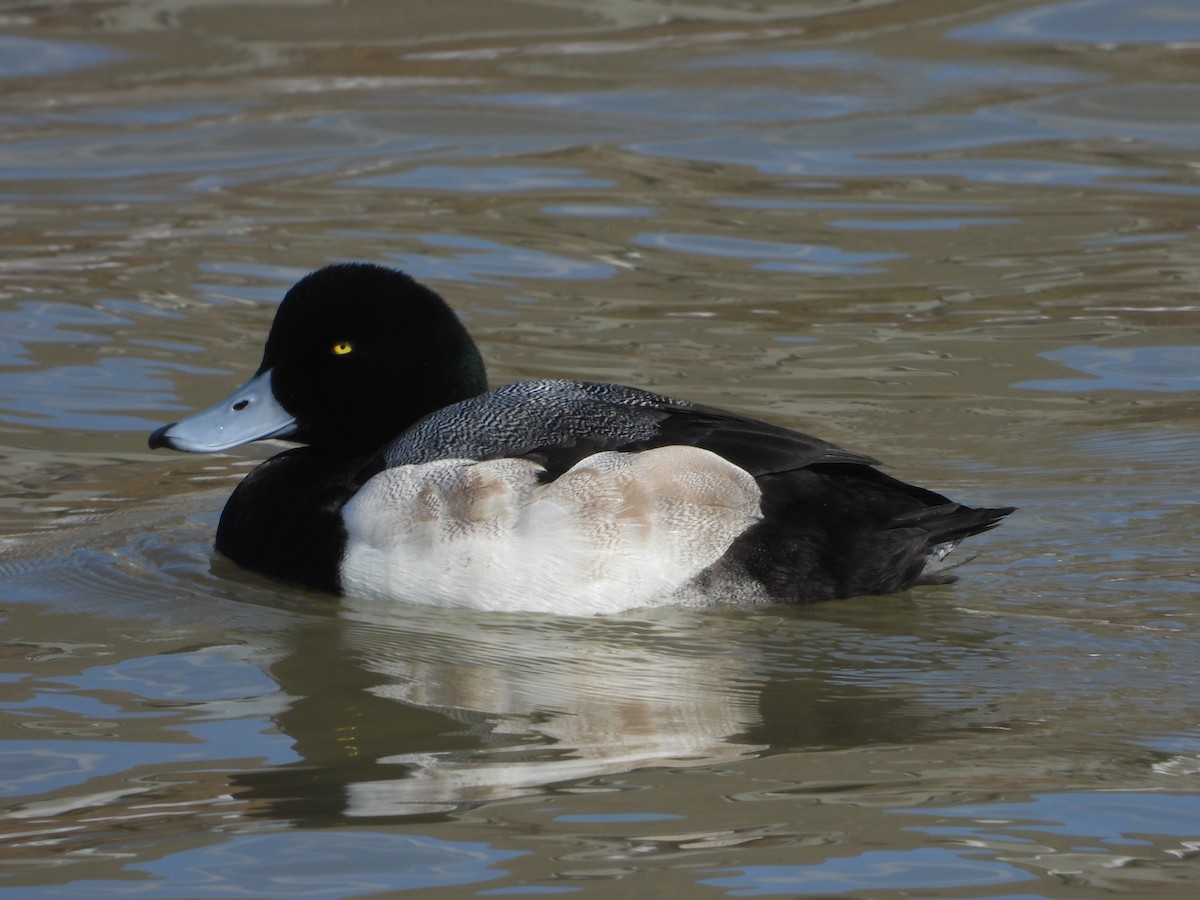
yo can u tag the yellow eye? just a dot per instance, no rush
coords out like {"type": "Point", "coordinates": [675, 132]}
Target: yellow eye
{"type": "Point", "coordinates": [342, 348]}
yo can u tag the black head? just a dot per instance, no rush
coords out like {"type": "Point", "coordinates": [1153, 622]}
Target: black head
{"type": "Point", "coordinates": [356, 354]}
{"type": "Point", "coordinates": [359, 352]}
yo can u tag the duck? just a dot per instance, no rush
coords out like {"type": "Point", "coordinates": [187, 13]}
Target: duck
{"type": "Point", "coordinates": [413, 482]}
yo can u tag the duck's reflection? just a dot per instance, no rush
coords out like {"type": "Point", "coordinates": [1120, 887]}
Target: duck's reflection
{"type": "Point", "coordinates": [424, 711]}
{"type": "Point", "coordinates": [542, 701]}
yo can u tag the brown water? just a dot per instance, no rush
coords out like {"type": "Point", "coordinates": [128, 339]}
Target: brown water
{"type": "Point", "coordinates": [960, 236]}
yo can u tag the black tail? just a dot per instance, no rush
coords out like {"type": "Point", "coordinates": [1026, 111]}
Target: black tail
{"type": "Point", "coordinates": [951, 521]}
{"type": "Point", "coordinates": [849, 530]}
{"type": "Point", "coordinates": [944, 526]}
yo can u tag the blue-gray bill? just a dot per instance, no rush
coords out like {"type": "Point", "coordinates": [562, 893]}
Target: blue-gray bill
{"type": "Point", "coordinates": [251, 413]}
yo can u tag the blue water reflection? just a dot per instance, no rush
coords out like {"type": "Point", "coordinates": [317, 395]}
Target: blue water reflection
{"type": "Point", "coordinates": [940, 224]}
{"type": "Point", "coordinates": [1158, 113]}
{"type": "Point", "coordinates": [1093, 21]}
{"type": "Point", "coordinates": [598, 211]}
{"type": "Point", "coordinates": [789, 203]}
{"type": "Point", "coordinates": [995, 845]}
{"type": "Point", "coordinates": [93, 397]}
{"type": "Point", "coordinates": [227, 703]}
{"type": "Point", "coordinates": [900, 74]}
{"type": "Point", "coordinates": [480, 260]}
{"type": "Point", "coordinates": [437, 257]}
{"type": "Point", "coordinates": [927, 869]}
{"type": "Point", "coordinates": [86, 395]}
{"type": "Point", "coordinates": [751, 104]}
{"type": "Point", "coordinates": [210, 675]}
{"type": "Point", "coordinates": [147, 115]}
{"type": "Point", "coordinates": [241, 152]}
{"type": "Point", "coordinates": [894, 147]}
{"type": "Point", "coordinates": [772, 256]}
{"type": "Point", "coordinates": [37, 768]}
{"type": "Point", "coordinates": [21, 57]}
{"type": "Point", "coordinates": [310, 864]}
{"type": "Point", "coordinates": [1114, 818]}
{"type": "Point", "coordinates": [482, 179]}
{"type": "Point", "coordinates": [1173, 368]}
{"type": "Point", "coordinates": [37, 322]}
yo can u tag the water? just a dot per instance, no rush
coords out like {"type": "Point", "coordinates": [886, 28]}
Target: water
{"type": "Point", "coordinates": [958, 236]}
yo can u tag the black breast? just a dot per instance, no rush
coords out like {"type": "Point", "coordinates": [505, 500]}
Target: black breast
{"type": "Point", "coordinates": [284, 519]}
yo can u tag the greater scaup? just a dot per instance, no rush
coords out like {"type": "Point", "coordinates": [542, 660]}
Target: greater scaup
{"type": "Point", "coordinates": [416, 483]}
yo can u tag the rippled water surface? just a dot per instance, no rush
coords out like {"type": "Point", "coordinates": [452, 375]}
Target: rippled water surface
{"type": "Point", "coordinates": [959, 236]}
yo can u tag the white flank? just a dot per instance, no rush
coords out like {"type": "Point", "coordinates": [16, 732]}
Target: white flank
{"type": "Point", "coordinates": [618, 531]}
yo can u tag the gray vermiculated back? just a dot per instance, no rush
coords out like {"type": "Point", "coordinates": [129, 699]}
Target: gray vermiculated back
{"type": "Point", "coordinates": [516, 418]}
